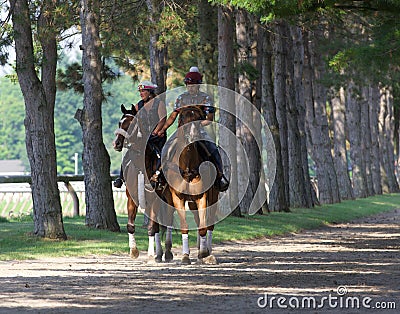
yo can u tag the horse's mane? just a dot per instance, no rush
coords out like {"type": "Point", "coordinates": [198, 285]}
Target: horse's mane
{"type": "Point", "coordinates": [197, 113]}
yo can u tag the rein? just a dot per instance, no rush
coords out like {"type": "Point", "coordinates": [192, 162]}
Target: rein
{"type": "Point", "coordinates": [125, 134]}
{"type": "Point", "coordinates": [122, 132]}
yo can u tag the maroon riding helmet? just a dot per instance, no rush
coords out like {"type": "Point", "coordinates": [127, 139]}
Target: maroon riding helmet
{"type": "Point", "coordinates": [193, 76]}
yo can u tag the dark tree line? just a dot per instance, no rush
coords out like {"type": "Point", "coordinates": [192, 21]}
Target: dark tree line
{"type": "Point", "coordinates": [323, 77]}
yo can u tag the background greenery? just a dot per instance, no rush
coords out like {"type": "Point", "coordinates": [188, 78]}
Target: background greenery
{"type": "Point", "coordinates": [67, 129]}
{"type": "Point", "coordinates": [16, 241]}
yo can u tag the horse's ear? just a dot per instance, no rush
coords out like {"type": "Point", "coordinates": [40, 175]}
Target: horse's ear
{"type": "Point", "coordinates": [123, 109]}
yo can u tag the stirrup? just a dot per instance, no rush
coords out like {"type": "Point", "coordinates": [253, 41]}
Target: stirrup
{"type": "Point", "coordinates": [222, 184]}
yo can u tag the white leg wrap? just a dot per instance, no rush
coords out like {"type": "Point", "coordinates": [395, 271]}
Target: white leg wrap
{"type": "Point", "coordinates": [158, 244]}
{"type": "Point", "coordinates": [185, 244]}
{"type": "Point", "coordinates": [150, 251]}
{"type": "Point", "coordinates": [132, 241]}
{"type": "Point", "coordinates": [209, 240]}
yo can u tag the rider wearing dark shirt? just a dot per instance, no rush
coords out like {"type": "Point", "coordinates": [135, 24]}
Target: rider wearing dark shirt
{"type": "Point", "coordinates": [152, 113]}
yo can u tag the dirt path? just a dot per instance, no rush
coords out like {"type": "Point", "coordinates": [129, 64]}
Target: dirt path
{"type": "Point", "coordinates": [362, 257]}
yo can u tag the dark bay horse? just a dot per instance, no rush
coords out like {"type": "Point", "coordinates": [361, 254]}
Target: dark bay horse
{"type": "Point", "coordinates": [153, 203]}
{"type": "Point", "coordinates": [190, 184]}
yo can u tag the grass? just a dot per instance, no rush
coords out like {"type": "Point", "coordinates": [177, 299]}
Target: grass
{"type": "Point", "coordinates": [17, 242]}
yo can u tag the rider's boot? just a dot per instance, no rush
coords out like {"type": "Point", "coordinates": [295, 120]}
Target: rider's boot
{"type": "Point", "coordinates": [118, 183]}
{"type": "Point", "coordinates": [221, 183]}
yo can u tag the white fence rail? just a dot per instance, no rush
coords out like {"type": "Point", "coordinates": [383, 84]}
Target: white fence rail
{"type": "Point", "coordinates": [16, 198]}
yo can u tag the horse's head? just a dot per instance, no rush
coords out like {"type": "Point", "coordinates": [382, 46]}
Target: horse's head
{"type": "Point", "coordinates": [187, 115]}
{"type": "Point", "coordinates": [123, 125]}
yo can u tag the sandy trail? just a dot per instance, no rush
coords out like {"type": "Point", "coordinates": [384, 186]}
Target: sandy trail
{"type": "Point", "coordinates": [361, 258]}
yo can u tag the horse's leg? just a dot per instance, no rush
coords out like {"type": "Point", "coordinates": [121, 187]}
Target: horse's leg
{"type": "Point", "coordinates": [210, 230]}
{"type": "Point", "coordinates": [168, 221]}
{"type": "Point", "coordinates": [169, 256]}
{"type": "Point", "coordinates": [212, 203]}
{"type": "Point", "coordinates": [159, 249]}
{"type": "Point", "coordinates": [202, 227]}
{"type": "Point", "coordinates": [193, 208]}
{"type": "Point", "coordinates": [168, 236]}
{"type": "Point", "coordinates": [179, 205]}
{"type": "Point", "coordinates": [132, 211]}
{"type": "Point", "coordinates": [153, 231]}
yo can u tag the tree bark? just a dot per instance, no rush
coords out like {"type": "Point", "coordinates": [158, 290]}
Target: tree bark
{"type": "Point", "coordinates": [227, 116]}
{"type": "Point", "coordinates": [158, 55]}
{"type": "Point", "coordinates": [39, 99]}
{"type": "Point", "coordinates": [260, 173]}
{"type": "Point", "coordinates": [366, 138]}
{"type": "Point", "coordinates": [374, 127]}
{"type": "Point", "coordinates": [297, 118]}
{"type": "Point", "coordinates": [292, 117]}
{"type": "Point", "coordinates": [339, 146]}
{"type": "Point", "coordinates": [389, 182]}
{"type": "Point", "coordinates": [245, 112]}
{"type": "Point", "coordinates": [207, 26]}
{"type": "Point", "coordinates": [277, 199]}
{"type": "Point", "coordinates": [353, 119]}
{"type": "Point", "coordinates": [317, 122]}
{"type": "Point", "coordinates": [100, 212]}
{"type": "Point", "coordinates": [279, 85]}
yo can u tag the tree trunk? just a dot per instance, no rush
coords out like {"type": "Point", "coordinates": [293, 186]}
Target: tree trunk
{"type": "Point", "coordinates": [353, 119]}
{"type": "Point", "coordinates": [245, 111]}
{"type": "Point", "coordinates": [39, 99]}
{"type": "Point", "coordinates": [207, 27]}
{"type": "Point", "coordinates": [227, 116]}
{"type": "Point", "coordinates": [294, 71]}
{"type": "Point", "coordinates": [100, 212]}
{"type": "Point", "coordinates": [339, 146]}
{"type": "Point", "coordinates": [277, 199]}
{"type": "Point", "coordinates": [374, 127]}
{"type": "Point", "coordinates": [366, 138]}
{"type": "Point", "coordinates": [158, 55]}
{"type": "Point", "coordinates": [279, 85]}
{"type": "Point", "coordinates": [261, 195]}
{"type": "Point", "coordinates": [317, 123]}
{"type": "Point", "coordinates": [299, 181]}
{"type": "Point", "coordinates": [389, 182]}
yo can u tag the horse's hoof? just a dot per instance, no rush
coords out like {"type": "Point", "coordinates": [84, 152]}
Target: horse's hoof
{"type": "Point", "coordinates": [134, 253]}
{"type": "Point", "coordinates": [151, 260]}
{"type": "Point", "coordinates": [186, 259]}
{"type": "Point", "coordinates": [203, 254]}
{"type": "Point", "coordinates": [210, 260]}
{"type": "Point", "coordinates": [168, 256]}
{"type": "Point", "coordinates": [158, 258]}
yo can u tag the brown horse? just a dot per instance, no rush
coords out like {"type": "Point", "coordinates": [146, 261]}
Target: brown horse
{"type": "Point", "coordinates": [153, 201]}
{"type": "Point", "coordinates": [196, 188]}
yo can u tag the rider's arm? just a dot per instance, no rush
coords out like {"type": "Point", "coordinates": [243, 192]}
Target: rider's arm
{"type": "Point", "coordinates": [171, 119]}
{"type": "Point", "coordinates": [162, 113]}
{"type": "Point", "coordinates": [159, 126]}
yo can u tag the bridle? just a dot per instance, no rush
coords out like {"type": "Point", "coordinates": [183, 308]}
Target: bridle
{"type": "Point", "coordinates": [190, 114]}
{"type": "Point", "coordinates": [123, 132]}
